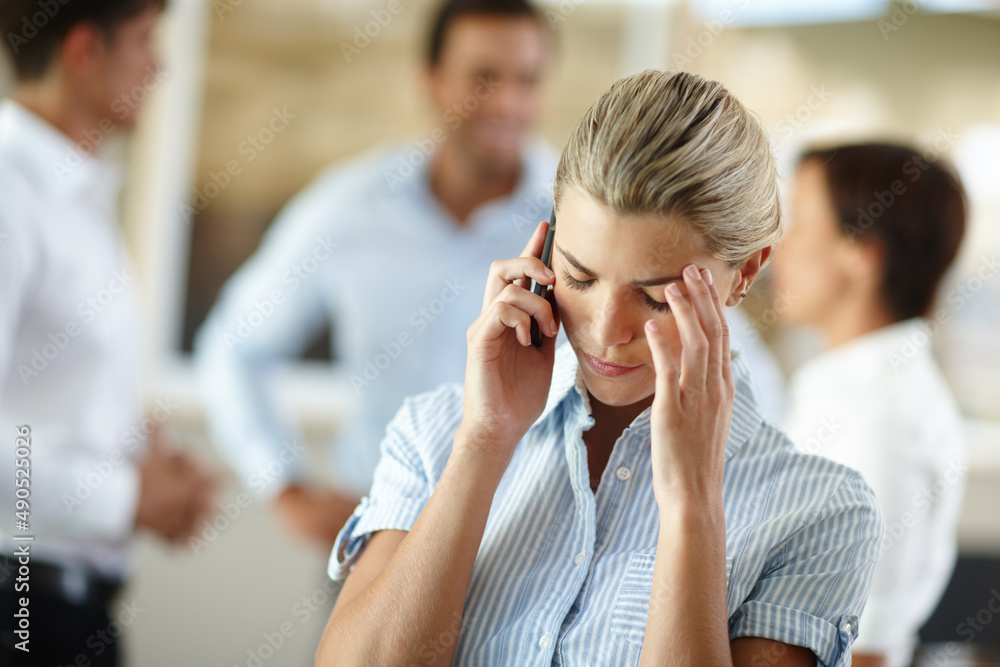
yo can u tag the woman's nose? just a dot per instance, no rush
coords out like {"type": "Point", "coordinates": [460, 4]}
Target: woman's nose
{"type": "Point", "coordinates": [612, 323]}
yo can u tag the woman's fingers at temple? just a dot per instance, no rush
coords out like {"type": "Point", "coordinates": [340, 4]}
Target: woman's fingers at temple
{"type": "Point", "coordinates": [694, 343]}
{"type": "Point", "coordinates": [712, 323]}
{"type": "Point", "coordinates": [727, 370]}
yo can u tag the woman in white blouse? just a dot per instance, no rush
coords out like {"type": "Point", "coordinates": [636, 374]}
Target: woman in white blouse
{"type": "Point", "coordinates": [875, 227]}
{"type": "Point", "coordinates": [620, 501]}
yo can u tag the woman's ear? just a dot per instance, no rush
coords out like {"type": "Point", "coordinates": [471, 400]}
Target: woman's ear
{"type": "Point", "coordinates": [747, 274]}
{"type": "Point", "coordinates": [865, 261]}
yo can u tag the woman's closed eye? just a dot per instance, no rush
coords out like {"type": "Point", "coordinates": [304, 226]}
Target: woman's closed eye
{"type": "Point", "coordinates": [658, 306]}
{"type": "Point", "coordinates": [578, 285]}
{"type": "Point", "coordinates": [584, 285]}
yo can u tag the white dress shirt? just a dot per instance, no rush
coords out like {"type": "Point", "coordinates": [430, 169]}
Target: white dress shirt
{"type": "Point", "coordinates": [879, 404]}
{"type": "Point", "coordinates": [69, 364]}
{"type": "Point", "coordinates": [368, 248]}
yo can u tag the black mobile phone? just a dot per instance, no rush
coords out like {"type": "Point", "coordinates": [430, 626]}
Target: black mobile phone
{"type": "Point", "coordinates": [536, 333]}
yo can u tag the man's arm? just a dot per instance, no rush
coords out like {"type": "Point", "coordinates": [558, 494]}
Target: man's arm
{"type": "Point", "coordinates": [315, 512]}
{"type": "Point", "coordinates": [265, 314]}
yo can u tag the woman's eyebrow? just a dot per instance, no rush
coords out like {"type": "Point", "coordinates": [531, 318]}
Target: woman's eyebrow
{"type": "Point", "coordinates": [652, 282]}
{"type": "Point", "coordinates": [573, 260]}
{"type": "Point", "coordinates": [655, 282]}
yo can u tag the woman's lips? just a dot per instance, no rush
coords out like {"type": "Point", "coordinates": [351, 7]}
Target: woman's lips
{"type": "Point", "coordinates": [607, 369]}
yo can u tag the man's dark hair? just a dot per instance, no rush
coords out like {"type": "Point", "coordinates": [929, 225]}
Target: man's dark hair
{"type": "Point", "coordinates": [454, 9]}
{"type": "Point", "coordinates": [33, 30]}
{"type": "Point", "coordinates": [913, 206]}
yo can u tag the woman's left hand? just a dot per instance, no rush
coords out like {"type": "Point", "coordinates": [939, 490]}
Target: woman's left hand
{"type": "Point", "coordinates": [692, 407]}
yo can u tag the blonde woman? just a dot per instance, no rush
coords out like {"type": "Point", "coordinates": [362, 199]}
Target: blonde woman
{"type": "Point", "coordinates": [618, 501]}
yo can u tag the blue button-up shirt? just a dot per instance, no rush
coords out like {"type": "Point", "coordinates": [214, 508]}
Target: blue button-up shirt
{"type": "Point", "coordinates": [368, 248]}
{"type": "Point", "coordinates": [564, 574]}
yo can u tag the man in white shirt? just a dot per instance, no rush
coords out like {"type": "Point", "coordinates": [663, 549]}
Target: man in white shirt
{"type": "Point", "coordinates": [875, 227]}
{"type": "Point", "coordinates": [393, 249]}
{"type": "Point", "coordinates": [76, 476]}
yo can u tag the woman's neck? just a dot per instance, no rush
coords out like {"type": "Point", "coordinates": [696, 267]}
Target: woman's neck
{"type": "Point", "coordinates": [610, 421]}
{"type": "Point", "coordinates": [861, 318]}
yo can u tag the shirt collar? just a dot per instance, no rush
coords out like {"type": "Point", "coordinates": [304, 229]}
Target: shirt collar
{"type": "Point", "coordinates": [567, 388]}
{"type": "Point", "coordinates": [51, 161]}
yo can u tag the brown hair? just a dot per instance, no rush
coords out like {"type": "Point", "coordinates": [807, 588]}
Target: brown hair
{"type": "Point", "coordinates": [913, 208]}
{"type": "Point", "coordinates": [451, 10]}
{"type": "Point", "coordinates": [34, 31]}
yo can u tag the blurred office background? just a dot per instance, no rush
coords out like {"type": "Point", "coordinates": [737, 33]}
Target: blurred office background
{"type": "Point", "coordinates": [923, 71]}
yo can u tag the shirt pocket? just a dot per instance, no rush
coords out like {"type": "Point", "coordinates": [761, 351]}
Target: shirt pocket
{"type": "Point", "coordinates": [631, 606]}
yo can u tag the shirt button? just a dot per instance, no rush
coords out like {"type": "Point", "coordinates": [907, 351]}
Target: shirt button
{"type": "Point", "coordinates": [545, 642]}
{"type": "Point", "coordinates": [623, 473]}
{"type": "Point", "coordinates": [580, 559]}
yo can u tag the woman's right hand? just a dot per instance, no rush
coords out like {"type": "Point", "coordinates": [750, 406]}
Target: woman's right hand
{"type": "Point", "coordinates": [506, 378]}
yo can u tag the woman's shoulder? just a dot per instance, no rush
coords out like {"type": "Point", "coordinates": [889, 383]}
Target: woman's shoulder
{"type": "Point", "coordinates": [423, 429]}
{"type": "Point", "coordinates": [804, 534]}
{"type": "Point", "coordinates": [801, 486]}
{"type": "Point", "coordinates": [430, 409]}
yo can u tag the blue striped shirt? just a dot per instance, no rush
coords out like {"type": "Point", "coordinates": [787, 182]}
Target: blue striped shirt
{"type": "Point", "coordinates": [564, 574]}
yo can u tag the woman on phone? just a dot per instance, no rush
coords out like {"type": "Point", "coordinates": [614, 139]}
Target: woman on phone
{"type": "Point", "coordinates": [619, 501]}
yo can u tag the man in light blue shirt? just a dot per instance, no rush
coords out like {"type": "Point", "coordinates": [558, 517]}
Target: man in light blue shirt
{"type": "Point", "coordinates": [393, 249]}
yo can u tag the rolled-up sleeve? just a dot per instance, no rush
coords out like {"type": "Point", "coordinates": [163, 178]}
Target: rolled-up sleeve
{"type": "Point", "coordinates": [416, 442]}
{"type": "Point", "coordinates": [814, 588]}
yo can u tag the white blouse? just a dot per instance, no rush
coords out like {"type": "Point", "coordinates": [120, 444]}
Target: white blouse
{"type": "Point", "coordinates": [880, 404]}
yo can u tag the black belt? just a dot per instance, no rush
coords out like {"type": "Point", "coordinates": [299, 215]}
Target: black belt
{"type": "Point", "coordinates": [75, 585]}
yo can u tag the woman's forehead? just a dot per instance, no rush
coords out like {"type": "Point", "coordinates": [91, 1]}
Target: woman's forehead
{"type": "Point", "coordinates": [646, 245]}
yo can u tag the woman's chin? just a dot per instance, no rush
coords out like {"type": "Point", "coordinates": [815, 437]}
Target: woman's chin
{"type": "Point", "coordinates": [619, 391]}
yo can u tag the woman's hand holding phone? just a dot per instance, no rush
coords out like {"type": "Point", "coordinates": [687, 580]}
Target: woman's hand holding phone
{"type": "Point", "coordinates": [506, 377]}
